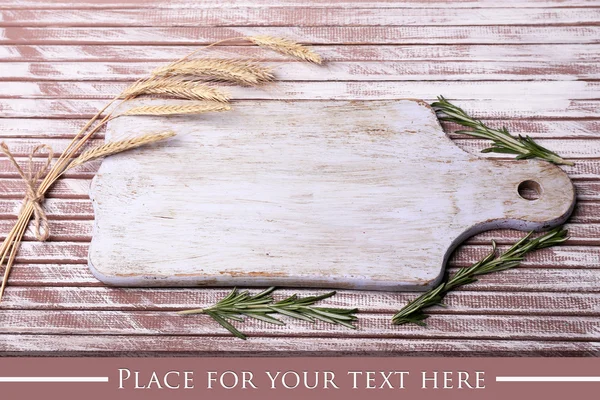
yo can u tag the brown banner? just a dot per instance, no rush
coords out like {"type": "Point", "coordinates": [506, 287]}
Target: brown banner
{"type": "Point", "coordinates": [297, 378]}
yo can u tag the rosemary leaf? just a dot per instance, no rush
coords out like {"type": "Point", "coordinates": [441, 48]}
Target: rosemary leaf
{"type": "Point", "coordinates": [414, 313]}
{"type": "Point", "coordinates": [261, 306]}
{"type": "Point", "coordinates": [502, 140]}
{"type": "Point", "coordinates": [225, 324]}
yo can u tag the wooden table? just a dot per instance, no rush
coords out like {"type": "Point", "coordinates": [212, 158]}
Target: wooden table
{"type": "Point", "coordinates": [532, 66]}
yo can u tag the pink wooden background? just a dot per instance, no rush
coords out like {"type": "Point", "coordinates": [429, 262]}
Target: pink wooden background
{"type": "Point", "coordinates": [531, 65]}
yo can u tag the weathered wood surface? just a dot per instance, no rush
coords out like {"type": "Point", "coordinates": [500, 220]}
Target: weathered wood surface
{"type": "Point", "coordinates": [357, 195]}
{"type": "Point", "coordinates": [345, 52]}
{"type": "Point", "coordinates": [528, 65]}
{"type": "Point", "coordinates": [357, 4]}
{"type": "Point", "coordinates": [317, 35]}
{"type": "Point", "coordinates": [299, 16]}
{"type": "Point", "coordinates": [339, 70]}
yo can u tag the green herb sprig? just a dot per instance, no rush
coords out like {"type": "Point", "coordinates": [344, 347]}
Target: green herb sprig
{"type": "Point", "coordinates": [413, 312]}
{"type": "Point", "coordinates": [261, 306]}
{"type": "Point", "coordinates": [503, 141]}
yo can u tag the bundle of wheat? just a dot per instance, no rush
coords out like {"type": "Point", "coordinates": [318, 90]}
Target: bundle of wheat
{"type": "Point", "coordinates": [184, 79]}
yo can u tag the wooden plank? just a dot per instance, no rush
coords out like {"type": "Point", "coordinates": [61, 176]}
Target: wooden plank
{"type": "Point", "coordinates": [586, 212]}
{"type": "Point", "coordinates": [70, 231]}
{"type": "Point", "coordinates": [480, 90]}
{"type": "Point", "coordinates": [356, 4]}
{"type": "Point", "coordinates": [53, 252]}
{"type": "Point", "coordinates": [570, 148]}
{"type": "Point", "coordinates": [79, 275]}
{"type": "Point", "coordinates": [539, 108]}
{"type": "Point", "coordinates": [341, 71]}
{"type": "Point", "coordinates": [311, 35]}
{"type": "Point", "coordinates": [55, 208]}
{"type": "Point", "coordinates": [559, 257]}
{"type": "Point", "coordinates": [85, 171]}
{"type": "Point", "coordinates": [579, 234]}
{"type": "Point", "coordinates": [447, 52]}
{"type": "Point", "coordinates": [583, 169]}
{"type": "Point", "coordinates": [333, 70]}
{"type": "Point", "coordinates": [293, 16]}
{"type": "Point", "coordinates": [40, 128]}
{"type": "Point", "coordinates": [574, 280]}
{"type": "Point", "coordinates": [525, 327]}
{"type": "Point", "coordinates": [523, 279]}
{"type": "Point", "coordinates": [64, 188]}
{"type": "Point", "coordinates": [526, 91]}
{"type": "Point", "coordinates": [460, 303]}
{"type": "Point", "coordinates": [571, 129]}
{"type": "Point", "coordinates": [126, 345]}
{"type": "Point", "coordinates": [23, 147]}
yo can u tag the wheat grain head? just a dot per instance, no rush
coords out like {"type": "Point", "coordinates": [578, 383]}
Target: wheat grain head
{"type": "Point", "coordinates": [118, 147]}
{"type": "Point", "coordinates": [176, 87]}
{"type": "Point", "coordinates": [168, 109]}
{"type": "Point", "coordinates": [242, 72]}
{"type": "Point", "coordinates": [285, 46]}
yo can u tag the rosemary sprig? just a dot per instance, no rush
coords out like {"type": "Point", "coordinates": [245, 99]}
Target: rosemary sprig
{"type": "Point", "coordinates": [413, 311]}
{"type": "Point", "coordinates": [503, 141]}
{"type": "Point", "coordinates": [261, 306]}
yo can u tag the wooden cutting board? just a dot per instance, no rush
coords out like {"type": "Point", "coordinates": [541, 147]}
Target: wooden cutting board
{"type": "Point", "coordinates": [359, 194]}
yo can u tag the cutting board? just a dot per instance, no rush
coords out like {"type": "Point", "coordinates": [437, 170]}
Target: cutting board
{"type": "Point", "coordinates": [360, 194]}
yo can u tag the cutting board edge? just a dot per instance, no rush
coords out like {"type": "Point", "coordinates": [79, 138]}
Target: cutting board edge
{"type": "Point", "coordinates": [196, 280]}
{"type": "Point", "coordinates": [252, 281]}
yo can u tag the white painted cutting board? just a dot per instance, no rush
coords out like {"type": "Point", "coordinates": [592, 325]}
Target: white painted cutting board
{"type": "Point", "coordinates": [360, 194]}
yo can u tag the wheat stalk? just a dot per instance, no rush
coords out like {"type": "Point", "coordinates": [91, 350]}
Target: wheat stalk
{"type": "Point", "coordinates": [118, 147]}
{"type": "Point", "coordinates": [195, 108]}
{"type": "Point", "coordinates": [176, 87]}
{"type": "Point", "coordinates": [242, 72]}
{"type": "Point", "coordinates": [285, 46]}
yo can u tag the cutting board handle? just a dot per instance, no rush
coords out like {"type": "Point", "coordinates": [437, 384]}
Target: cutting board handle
{"type": "Point", "coordinates": [533, 195]}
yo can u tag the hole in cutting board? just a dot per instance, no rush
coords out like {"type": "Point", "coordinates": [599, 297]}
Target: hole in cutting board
{"type": "Point", "coordinates": [530, 190]}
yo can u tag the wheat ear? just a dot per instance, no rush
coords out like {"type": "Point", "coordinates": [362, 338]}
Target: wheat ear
{"type": "Point", "coordinates": [242, 72]}
{"type": "Point", "coordinates": [176, 87]}
{"type": "Point", "coordinates": [195, 108]}
{"type": "Point", "coordinates": [285, 46]}
{"type": "Point", "coordinates": [118, 147]}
